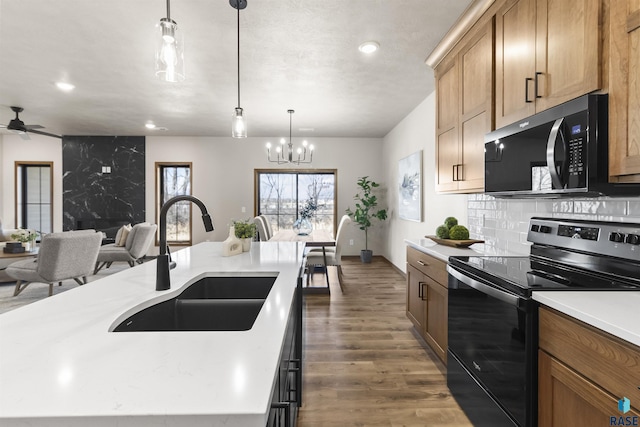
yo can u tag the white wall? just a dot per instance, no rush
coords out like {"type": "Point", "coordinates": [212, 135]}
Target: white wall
{"type": "Point", "coordinates": [38, 148]}
{"type": "Point", "coordinates": [416, 132]}
{"type": "Point", "coordinates": [223, 176]}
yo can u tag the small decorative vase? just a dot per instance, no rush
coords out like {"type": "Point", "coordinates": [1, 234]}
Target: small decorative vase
{"type": "Point", "coordinates": [233, 245]}
{"type": "Point", "coordinates": [246, 244]}
{"type": "Point", "coordinates": [28, 245]}
{"type": "Point", "coordinates": [302, 226]}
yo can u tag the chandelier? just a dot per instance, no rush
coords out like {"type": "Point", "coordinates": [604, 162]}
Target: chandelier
{"type": "Point", "coordinates": [285, 152]}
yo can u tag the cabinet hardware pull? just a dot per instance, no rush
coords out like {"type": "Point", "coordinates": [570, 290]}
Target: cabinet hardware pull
{"type": "Point", "coordinates": [526, 90]}
{"type": "Point", "coordinates": [422, 263]}
{"type": "Point", "coordinates": [420, 290]}
{"type": "Point", "coordinates": [538, 74]}
{"type": "Point", "coordinates": [423, 297]}
{"type": "Point", "coordinates": [453, 173]}
{"type": "Point", "coordinates": [458, 173]}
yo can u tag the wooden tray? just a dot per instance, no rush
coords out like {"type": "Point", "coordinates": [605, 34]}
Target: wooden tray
{"type": "Point", "coordinates": [454, 243]}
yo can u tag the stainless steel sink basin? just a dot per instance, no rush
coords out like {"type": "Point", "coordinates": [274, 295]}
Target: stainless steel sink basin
{"type": "Point", "coordinates": [209, 304]}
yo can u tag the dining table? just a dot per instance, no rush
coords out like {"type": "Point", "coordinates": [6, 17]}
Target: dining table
{"type": "Point", "coordinates": [316, 239]}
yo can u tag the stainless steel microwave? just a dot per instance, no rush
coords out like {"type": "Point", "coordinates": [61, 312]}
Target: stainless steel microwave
{"type": "Point", "coordinates": [562, 151]}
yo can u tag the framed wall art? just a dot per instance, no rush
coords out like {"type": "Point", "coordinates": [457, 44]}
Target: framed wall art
{"type": "Point", "coordinates": [410, 187]}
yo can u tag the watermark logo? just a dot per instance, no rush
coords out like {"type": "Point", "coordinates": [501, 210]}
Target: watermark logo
{"type": "Point", "coordinates": [624, 406]}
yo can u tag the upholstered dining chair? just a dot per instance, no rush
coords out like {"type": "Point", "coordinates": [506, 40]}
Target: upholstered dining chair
{"type": "Point", "coordinates": [136, 246]}
{"type": "Point", "coordinates": [263, 233]}
{"type": "Point", "coordinates": [333, 255]}
{"type": "Point", "coordinates": [267, 226]}
{"type": "Point", "coordinates": [61, 256]}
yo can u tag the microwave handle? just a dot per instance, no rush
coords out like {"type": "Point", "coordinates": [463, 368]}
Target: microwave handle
{"type": "Point", "coordinates": [551, 151]}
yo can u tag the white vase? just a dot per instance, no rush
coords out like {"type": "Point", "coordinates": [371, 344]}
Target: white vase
{"type": "Point", "coordinates": [233, 245]}
{"type": "Point", "coordinates": [246, 244]}
{"type": "Point", "coordinates": [29, 245]}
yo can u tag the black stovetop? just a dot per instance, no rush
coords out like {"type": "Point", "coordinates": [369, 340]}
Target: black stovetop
{"type": "Point", "coordinates": [524, 274]}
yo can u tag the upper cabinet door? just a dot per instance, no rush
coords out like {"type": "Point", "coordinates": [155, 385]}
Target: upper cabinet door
{"type": "Point", "coordinates": [515, 61]}
{"type": "Point", "coordinates": [447, 112]}
{"type": "Point", "coordinates": [624, 94]}
{"type": "Point", "coordinates": [547, 52]}
{"type": "Point", "coordinates": [476, 102]}
{"type": "Point", "coordinates": [567, 50]}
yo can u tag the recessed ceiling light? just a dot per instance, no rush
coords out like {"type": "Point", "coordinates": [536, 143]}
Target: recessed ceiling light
{"type": "Point", "coordinates": [150, 126]}
{"type": "Point", "coordinates": [65, 87]}
{"type": "Point", "coordinates": [368, 47]}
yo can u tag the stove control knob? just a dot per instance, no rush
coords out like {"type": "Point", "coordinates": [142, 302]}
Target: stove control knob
{"type": "Point", "coordinates": [633, 239]}
{"type": "Point", "coordinates": [545, 229]}
{"type": "Point", "coordinates": [616, 237]}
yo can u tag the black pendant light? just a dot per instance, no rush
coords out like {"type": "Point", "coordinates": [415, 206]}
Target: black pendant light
{"type": "Point", "coordinates": [169, 50]}
{"type": "Point", "coordinates": [238, 123]}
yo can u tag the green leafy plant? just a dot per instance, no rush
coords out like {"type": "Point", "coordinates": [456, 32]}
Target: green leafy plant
{"type": "Point", "coordinates": [309, 209]}
{"type": "Point", "coordinates": [366, 204]}
{"type": "Point", "coordinates": [245, 229]}
{"type": "Point", "coordinates": [24, 236]}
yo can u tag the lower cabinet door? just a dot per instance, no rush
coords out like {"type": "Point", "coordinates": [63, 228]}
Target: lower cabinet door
{"type": "Point", "coordinates": [416, 305]}
{"type": "Point", "coordinates": [567, 399]}
{"type": "Point", "coordinates": [436, 320]}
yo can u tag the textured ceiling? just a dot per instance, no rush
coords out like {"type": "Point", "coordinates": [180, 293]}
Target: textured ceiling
{"type": "Point", "coordinates": [299, 54]}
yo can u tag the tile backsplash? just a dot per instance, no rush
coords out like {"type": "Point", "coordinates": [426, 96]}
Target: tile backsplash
{"type": "Point", "coordinates": [503, 223]}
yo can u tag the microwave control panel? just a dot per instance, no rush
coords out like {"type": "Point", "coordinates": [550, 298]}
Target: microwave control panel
{"type": "Point", "coordinates": [576, 134]}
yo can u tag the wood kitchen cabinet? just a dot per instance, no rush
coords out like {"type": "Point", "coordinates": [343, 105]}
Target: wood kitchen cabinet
{"type": "Point", "coordinates": [464, 92]}
{"type": "Point", "coordinates": [547, 52]}
{"type": "Point", "coordinates": [582, 373]}
{"type": "Point", "coordinates": [427, 299]}
{"type": "Point", "coordinates": [624, 91]}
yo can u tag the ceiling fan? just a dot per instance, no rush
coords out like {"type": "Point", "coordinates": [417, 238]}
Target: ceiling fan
{"type": "Point", "coordinates": [17, 126]}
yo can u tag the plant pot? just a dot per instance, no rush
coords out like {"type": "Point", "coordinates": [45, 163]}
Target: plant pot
{"type": "Point", "coordinates": [246, 244]}
{"type": "Point", "coordinates": [366, 255]}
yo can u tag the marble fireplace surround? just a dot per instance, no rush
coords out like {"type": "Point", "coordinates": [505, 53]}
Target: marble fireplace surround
{"type": "Point", "coordinates": [103, 182]}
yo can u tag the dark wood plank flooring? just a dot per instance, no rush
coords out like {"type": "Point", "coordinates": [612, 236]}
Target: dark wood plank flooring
{"type": "Point", "coordinates": [363, 364]}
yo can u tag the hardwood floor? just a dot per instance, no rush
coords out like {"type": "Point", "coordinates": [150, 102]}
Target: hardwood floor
{"type": "Point", "coordinates": [363, 364]}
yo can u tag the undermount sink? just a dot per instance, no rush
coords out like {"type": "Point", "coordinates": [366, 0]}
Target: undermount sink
{"type": "Point", "coordinates": [221, 303]}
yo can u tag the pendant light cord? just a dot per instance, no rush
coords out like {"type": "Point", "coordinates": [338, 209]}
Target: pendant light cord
{"type": "Point", "coordinates": [238, 53]}
{"type": "Point", "coordinates": [168, 10]}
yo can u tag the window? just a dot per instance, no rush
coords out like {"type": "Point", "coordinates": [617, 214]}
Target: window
{"type": "Point", "coordinates": [174, 179]}
{"type": "Point", "coordinates": [281, 194]}
{"type": "Point", "coordinates": [34, 195]}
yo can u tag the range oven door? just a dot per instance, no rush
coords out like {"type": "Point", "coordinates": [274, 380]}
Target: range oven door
{"type": "Point", "coordinates": [491, 366]}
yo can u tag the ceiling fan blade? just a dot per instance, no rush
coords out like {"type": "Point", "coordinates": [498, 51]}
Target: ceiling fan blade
{"type": "Point", "coordinates": [24, 135]}
{"type": "Point", "coordinates": [39, 132]}
{"type": "Point", "coordinates": [30, 127]}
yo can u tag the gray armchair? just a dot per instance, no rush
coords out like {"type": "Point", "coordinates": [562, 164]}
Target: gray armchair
{"type": "Point", "coordinates": [138, 242]}
{"type": "Point", "coordinates": [62, 256]}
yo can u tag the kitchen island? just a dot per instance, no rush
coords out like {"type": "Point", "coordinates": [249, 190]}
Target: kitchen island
{"type": "Point", "coordinates": [60, 364]}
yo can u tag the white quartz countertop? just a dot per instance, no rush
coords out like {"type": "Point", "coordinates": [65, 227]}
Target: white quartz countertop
{"type": "Point", "coordinates": [443, 252]}
{"type": "Point", "coordinates": [60, 365]}
{"type": "Point", "coordinates": [615, 312]}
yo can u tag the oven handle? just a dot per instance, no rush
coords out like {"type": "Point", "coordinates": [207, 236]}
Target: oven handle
{"type": "Point", "coordinates": [485, 289]}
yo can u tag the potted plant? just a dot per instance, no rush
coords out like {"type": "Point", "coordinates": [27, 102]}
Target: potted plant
{"type": "Point", "coordinates": [365, 212]}
{"type": "Point", "coordinates": [26, 237]}
{"type": "Point", "coordinates": [245, 230]}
